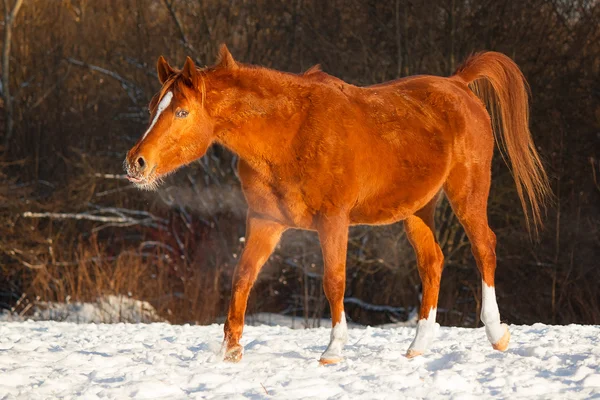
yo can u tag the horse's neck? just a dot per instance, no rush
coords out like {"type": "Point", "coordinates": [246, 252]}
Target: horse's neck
{"type": "Point", "coordinates": [259, 124]}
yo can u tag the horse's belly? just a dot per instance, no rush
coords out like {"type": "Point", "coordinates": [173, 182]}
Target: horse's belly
{"type": "Point", "coordinates": [389, 209]}
{"type": "Point", "coordinates": [365, 216]}
{"type": "Point", "coordinates": [398, 198]}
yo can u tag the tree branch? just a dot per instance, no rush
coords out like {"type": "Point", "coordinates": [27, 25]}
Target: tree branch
{"type": "Point", "coordinates": [133, 91]}
{"type": "Point", "coordinates": [9, 19]}
{"type": "Point", "coordinates": [116, 217]}
{"type": "Point", "coordinates": [184, 39]}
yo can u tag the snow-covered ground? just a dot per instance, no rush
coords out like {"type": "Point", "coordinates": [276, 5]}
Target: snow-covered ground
{"type": "Point", "coordinates": [106, 309]}
{"type": "Point", "coordinates": [40, 360]}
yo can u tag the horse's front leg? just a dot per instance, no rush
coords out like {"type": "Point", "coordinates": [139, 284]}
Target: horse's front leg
{"type": "Point", "coordinates": [261, 238]}
{"type": "Point", "coordinates": [333, 234]}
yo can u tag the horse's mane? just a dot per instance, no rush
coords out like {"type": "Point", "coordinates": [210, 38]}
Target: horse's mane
{"type": "Point", "coordinates": [313, 75]}
{"type": "Point", "coordinates": [312, 70]}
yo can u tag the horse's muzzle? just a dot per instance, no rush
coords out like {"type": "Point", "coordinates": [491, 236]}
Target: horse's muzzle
{"type": "Point", "coordinates": [135, 170]}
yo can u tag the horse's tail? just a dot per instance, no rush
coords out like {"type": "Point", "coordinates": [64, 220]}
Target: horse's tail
{"type": "Point", "coordinates": [500, 84]}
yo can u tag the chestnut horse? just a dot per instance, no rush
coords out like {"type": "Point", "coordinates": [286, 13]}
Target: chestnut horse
{"type": "Point", "coordinates": [317, 153]}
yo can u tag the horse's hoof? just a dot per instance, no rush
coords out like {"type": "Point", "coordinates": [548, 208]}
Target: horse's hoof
{"type": "Point", "coordinates": [413, 353]}
{"type": "Point", "coordinates": [234, 354]}
{"type": "Point", "coordinates": [330, 360]}
{"type": "Point", "coordinates": [502, 344]}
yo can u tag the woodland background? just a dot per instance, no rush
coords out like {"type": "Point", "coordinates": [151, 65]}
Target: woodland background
{"type": "Point", "coordinates": [81, 73]}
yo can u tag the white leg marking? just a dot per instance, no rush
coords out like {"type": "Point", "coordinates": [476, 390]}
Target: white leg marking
{"type": "Point", "coordinates": [426, 331]}
{"type": "Point", "coordinates": [490, 316]}
{"type": "Point", "coordinates": [164, 103]}
{"type": "Point", "coordinates": [339, 337]}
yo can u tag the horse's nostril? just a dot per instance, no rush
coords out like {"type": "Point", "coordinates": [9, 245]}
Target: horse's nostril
{"type": "Point", "coordinates": [141, 163]}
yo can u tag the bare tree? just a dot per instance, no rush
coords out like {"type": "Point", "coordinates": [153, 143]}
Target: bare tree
{"type": "Point", "coordinates": [9, 20]}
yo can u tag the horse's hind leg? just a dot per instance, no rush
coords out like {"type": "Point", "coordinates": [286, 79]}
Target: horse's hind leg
{"type": "Point", "coordinates": [467, 189]}
{"type": "Point", "coordinates": [261, 238]}
{"type": "Point", "coordinates": [420, 231]}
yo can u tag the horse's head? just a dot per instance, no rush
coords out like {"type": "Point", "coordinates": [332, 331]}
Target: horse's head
{"type": "Point", "coordinates": [180, 129]}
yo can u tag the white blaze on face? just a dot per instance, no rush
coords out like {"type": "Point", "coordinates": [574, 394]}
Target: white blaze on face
{"type": "Point", "coordinates": [426, 332]}
{"type": "Point", "coordinates": [490, 316]}
{"type": "Point", "coordinates": [164, 103]}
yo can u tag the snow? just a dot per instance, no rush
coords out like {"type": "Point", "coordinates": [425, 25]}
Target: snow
{"type": "Point", "coordinates": [290, 321]}
{"type": "Point", "coordinates": [106, 309]}
{"type": "Point", "coordinates": [41, 360]}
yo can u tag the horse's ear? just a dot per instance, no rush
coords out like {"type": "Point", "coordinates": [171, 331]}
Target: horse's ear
{"type": "Point", "coordinates": [225, 58]}
{"type": "Point", "coordinates": [189, 71]}
{"type": "Point", "coordinates": [164, 70]}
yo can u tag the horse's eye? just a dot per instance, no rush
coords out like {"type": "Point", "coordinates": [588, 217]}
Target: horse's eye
{"type": "Point", "coordinates": [181, 113]}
